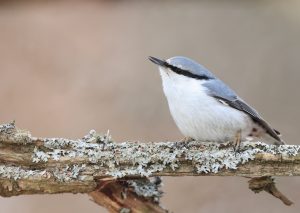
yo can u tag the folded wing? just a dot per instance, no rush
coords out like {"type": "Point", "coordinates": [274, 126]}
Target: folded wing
{"type": "Point", "coordinates": [220, 91]}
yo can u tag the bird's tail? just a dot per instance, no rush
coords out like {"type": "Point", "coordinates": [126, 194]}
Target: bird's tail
{"type": "Point", "coordinates": [272, 140]}
{"type": "Point", "coordinates": [279, 142]}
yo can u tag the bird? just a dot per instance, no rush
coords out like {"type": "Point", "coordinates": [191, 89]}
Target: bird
{"type": "Point", "coordinates": [204, 108]}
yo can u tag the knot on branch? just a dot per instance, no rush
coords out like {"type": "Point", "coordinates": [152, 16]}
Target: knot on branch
{"type": "Point", "coordinates": [267, 184]}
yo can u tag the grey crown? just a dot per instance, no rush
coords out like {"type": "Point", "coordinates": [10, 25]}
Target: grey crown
{"type": "Point", "coordinates": [190, 65]}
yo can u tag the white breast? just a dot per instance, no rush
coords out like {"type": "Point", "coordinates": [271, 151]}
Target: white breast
{"type": "Point", "coordinates": [198, 115]}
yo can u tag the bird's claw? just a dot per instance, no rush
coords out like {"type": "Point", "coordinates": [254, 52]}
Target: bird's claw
{"type": "Point", "coordinates": [237, 141]}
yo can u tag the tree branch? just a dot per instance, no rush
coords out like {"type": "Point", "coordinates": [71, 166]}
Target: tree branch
{"type": "Point", "coordinates": [30, 165]}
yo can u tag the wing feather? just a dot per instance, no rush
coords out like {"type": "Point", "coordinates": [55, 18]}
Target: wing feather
{"type": "Point", "coordinates": [221, 91]}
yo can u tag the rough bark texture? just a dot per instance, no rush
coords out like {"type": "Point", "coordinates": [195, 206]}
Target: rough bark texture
{"type": "Point", "coordinates": [30, 165]}
{"type": "Point", "coordinates": [129, 195]}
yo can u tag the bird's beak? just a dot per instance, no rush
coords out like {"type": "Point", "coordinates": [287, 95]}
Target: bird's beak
{"type": "Point", "coordinates": [158, 61]}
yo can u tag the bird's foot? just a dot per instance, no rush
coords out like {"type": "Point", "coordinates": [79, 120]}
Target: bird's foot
{"type": "Point", "coordinates": [237, 141]}
{"type": "Point", "coordinates": [186, 140]}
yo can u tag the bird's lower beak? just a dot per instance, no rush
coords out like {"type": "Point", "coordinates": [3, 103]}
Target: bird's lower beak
{"type": "Point", "coordinates": [157, 61]}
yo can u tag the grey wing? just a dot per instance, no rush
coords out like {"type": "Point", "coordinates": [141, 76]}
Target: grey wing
{"type": "Point", "coordinates": [220, 91]}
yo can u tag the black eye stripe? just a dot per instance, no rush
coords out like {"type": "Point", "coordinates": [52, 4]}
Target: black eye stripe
{"type": "Point", "coordinates": [186, 73]}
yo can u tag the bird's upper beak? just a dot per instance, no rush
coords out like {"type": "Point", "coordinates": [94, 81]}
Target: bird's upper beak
{"type": "Point", "coordinates": [158, 61]}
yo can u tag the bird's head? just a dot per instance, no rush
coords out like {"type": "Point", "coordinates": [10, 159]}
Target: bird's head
{"type": "Point", "coordinates": [184, 67]}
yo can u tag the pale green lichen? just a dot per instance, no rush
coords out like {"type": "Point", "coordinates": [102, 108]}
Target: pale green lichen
{"type": "Point", "coordinates": [65, 174]}
{"type": "Point", "coordinates": [8, 132]}
{"type": "Point", "coordinates": [213, 158]}
{"type": "Point", "coordinates": [68, 173]}
{"type": "Point", "coordinates": [7, 128]}
{"type": "Point", "coordinates": [124, 210]}
{"type": "Point", "coordinates": [141, 159]}
{"type": "Point", "coordinates": [39, 156]}
{"type": "Point", "coordinates": [289, 150]}
{"type": "Point", "coordinates": [148, 188]}
{"type": "Point", "coordinates": [15, 173]}
{"type": "Point", "coordinates": [144, 159]}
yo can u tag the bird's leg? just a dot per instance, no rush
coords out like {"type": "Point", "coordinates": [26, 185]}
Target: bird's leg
{"type": "Point", "coordinates": [186, 140]}
{"type": "Point", "coordinates": [237, 140]}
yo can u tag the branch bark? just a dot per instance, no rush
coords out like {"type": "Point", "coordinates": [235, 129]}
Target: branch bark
{"type": "Point", "coordinates": [31, 165]}
{"type": "Point", "coordinates": [129, 195]}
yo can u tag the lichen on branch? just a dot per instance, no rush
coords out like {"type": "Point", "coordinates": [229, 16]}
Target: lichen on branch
{"type": "Point", "coordinates": [64, 164]}
{"type": "Point", "coordinates": [98, 156]}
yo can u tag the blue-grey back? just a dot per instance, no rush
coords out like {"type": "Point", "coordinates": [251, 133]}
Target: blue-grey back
{"type": "Point", "coordinates": [216, 87]}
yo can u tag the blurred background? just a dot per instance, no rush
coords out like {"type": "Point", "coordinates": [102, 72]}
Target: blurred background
{"type": "Point", "coordinates": [70, 66]}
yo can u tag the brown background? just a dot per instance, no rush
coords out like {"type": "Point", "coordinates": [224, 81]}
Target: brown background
{"type": "Point", "coordinates": [70, 66]}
